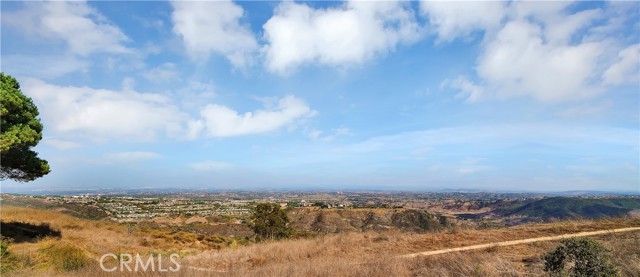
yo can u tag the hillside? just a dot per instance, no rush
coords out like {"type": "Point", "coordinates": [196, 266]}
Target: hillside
{"type": "Point", "coordinates": [373, 252]}
{"type": "Point", "coordinates": [344, 220]}
{"type": "Point", "coordinates": [571, 208]}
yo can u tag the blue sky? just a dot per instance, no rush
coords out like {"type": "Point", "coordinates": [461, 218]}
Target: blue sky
{"type": "Point", "coordinates": [532, 96]}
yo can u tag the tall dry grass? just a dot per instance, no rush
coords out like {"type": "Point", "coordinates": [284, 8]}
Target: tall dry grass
{"type": "Point", "coordinates": [375, 253]}
{"type": "Point", "coordinates": [625, 252]}
{"type": "Point", "coordinates": [329, 258]}
{"type": "Point", "coordinates": [345, 254]}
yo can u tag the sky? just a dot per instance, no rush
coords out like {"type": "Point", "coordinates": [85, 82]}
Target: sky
{"type": "Point", "coordinates": [418, 95]}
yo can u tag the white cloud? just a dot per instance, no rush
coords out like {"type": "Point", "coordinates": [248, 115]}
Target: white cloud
{"type": "Point", "coordinates": [163, 73]}
{"type": "Point", "coordinates": [61, 144]}
{"type": "Point", "coordinates": [464, 138]}
{"type": "Point", "coordinates": [335, 133]}
{"type": "Point", "coordinates": [520, 62]}
{"type": "Point", "coordinates": [43, 66]}
{"type": "Point", "coordinates": [213, 27]}
{"type": "Point", "coordinates": [221, 121]}
{"type": "Point", "coordinates": [452, 19]}
{"type": "Point", "coordinates": [470, 169]}
{"type": "Point", "coordinates": [582, 111]}
{"type": "Point", "coordinates": [540, 10]}
{"type": "Point", "coordinates": [541, 50]}
{"type": "Point", "coordinates": [211, 166]}
{"type": "Point", "coordinates": [80, 26]}
{"type": "Point", "coordinates": [468, 90]}
{"type": "Point", "coordinates": [473, 165]}
{"type": "Point", "coordinates": [193, 94]}
{"type": "Point", "coordinates": [351, 34]}
{"type": "Point", "coordinates": [315, 134]}
{"type": "Point", "coordinates": [626, 69]}
{"type": "Point", "coordinates": [561, 27]}
{"type": "Point", "coordinates": [104, 114]}
{"type": "Point", "coordinates": [504, 150]}
{"type": "Point", "coordinates": [132, 156]}
{"type": "Point", "coordinates": [101, 114]}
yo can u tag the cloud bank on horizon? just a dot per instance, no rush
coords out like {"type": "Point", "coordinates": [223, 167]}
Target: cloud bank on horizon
{"type": "Point", "coordinates": [356, 94]}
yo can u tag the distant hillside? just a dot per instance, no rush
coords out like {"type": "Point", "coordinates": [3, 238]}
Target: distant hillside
{"type": "Point", "coordinates": [571, 208]}
{"type": "Point", "coordinates": [375, 252]}
{"type": "Point", "coordinates": [341, 220]}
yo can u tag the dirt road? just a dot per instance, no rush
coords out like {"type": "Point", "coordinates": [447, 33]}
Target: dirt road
{"type": "Point", "coordinates": [520, 241]}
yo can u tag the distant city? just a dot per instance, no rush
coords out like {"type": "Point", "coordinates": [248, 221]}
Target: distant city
{"type": "Point", "coordinates": [135, 204]}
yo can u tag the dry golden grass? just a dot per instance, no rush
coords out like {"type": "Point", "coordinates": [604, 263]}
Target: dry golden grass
{"type": "Point", "coordinates": [374, 253]}
{"type": "Point", "coordinates": [344, 254]}
{"type": "Point", "coordinates": [93, 239]}
{"type": "Point", "coordinates": [625, 252]}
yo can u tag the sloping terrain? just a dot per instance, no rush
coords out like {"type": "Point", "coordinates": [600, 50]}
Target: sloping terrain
{"type": "Point", "coordinates": [571, 208]}
{"type": "Point", "coordinates": [520, 241]}
{"type": "Point", "coordinates": [380, 253]}
{"type": "Point", "coordinates": [345, 220]}
{"type": "Point", "coordinates": [364, 253]}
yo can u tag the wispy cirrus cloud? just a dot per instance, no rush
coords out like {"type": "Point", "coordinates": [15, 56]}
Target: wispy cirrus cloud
{"type": "Point", "coordinates": [44, 66]}
{"type": "Point", "coordinates": [132, 156]}
{"type": "Point", "coordinates": [211, 166]}
{"type": "Point", "coordinates": [61, 144]}
{"type": "Point", "coordinates": [82, 28]}
{"type": "Point", "coordinates": [319, 135]}
{"type": "Point", "coordinates": [166, 72]}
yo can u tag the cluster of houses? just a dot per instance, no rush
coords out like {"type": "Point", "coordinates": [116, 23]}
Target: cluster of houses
{"type": "Point", "coordinates": [143, 207]}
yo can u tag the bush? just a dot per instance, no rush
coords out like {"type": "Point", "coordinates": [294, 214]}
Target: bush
{"type": "Point", "coordinates": [589, 258]}
{"type": "Point", "coordinates": [415, 220]}
{"type": "Point", "coordinates": [268, 221]}
{"type": "Point", "coordinates": [64, 257]}
{"type": "Point", "coordinates": [4, 247]}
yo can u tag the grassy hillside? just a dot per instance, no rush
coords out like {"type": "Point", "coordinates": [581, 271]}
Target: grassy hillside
{"type": "Point", "coordinates": [350, 220]}
{"type": "Point", "coordinates": [368, 253]}
{"type": "Point", "coordinates": [377, 254]}
{"type": "Point", "coordinates": [571, 208]}
{"type": "Point", "coordinates": [40, 202]}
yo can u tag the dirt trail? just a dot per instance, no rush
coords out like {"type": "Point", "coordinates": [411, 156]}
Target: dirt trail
{"type": "Point", "coordinates": [479, 246]}
{"type": "Point", "coordinates": [520, 241]}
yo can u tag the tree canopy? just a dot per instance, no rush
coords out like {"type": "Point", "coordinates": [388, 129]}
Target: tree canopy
{"type": "Point", "coordinates": [20, 131]}
{"type": "Point", "coordinates": [270, 222]}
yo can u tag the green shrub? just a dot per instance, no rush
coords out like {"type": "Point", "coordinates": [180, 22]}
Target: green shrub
{"type": "Point", "coordinates": [416, 220]}
{"type": "Point", "coordinates": [5, 264]}
{"type": "Point", "coordinates": [4, 247]}
{"type": "Point", "coordinates": [589, 258]}
{"type": "Point", "coordinates": [268, 221]}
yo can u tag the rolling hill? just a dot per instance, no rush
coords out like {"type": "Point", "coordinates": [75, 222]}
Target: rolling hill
{"type": "Point", "coordinates": [571, 208]}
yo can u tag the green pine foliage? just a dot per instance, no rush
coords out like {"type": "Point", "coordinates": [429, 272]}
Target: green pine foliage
{"type": "Point", "coordinates": [20, 131]}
